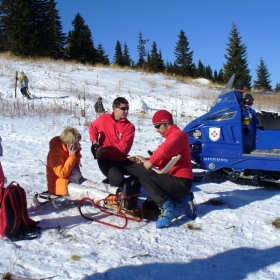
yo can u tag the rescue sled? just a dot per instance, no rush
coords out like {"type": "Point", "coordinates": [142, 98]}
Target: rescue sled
{"type": "Point", "coordinates": [118, 211]}
{"type": "Point", "coordinates": [235, 139]}
{"type": "Point", "coordinates": [87, 206]}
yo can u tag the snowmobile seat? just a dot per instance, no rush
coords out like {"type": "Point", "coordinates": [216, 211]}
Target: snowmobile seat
{"type": "Point", "coordinates": [268, 122]}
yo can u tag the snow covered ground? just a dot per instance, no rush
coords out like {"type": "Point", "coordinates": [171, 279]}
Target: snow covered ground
{"type": "Point", "coordinates": [233, 240]}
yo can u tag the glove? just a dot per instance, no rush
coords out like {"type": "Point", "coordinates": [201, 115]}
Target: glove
{"type": "Point", "coordinates": [93, 149]}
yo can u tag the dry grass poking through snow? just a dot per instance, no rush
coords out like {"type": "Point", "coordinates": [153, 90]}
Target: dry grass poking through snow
{"type": "Point", "coordinates": [276, 223]}
{"type": "Point", "coordinates": [20, 108]}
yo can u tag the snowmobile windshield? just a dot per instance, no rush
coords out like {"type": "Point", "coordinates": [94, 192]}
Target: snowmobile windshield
{"type": "Point", "coordinates": [226, 89]}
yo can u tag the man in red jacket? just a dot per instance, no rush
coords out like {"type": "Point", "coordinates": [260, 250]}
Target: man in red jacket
{"type": "Point", "coordinates": [169, 191]}
{"type": "Point", "coordinates": [112, 138]}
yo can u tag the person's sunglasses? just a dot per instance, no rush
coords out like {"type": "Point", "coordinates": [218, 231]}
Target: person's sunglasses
{"type": "Point", "coordinates": [157, 126]}
{"type": "Point", "coordinates": [123, 108]}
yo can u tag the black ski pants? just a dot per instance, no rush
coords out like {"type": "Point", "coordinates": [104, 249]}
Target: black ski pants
{"type": "Point", "coordinates": [24, 91]}
{"type": "Point", "coordinates": [114, 170]}
{"type": "Point", "coordinates": [159, 186]}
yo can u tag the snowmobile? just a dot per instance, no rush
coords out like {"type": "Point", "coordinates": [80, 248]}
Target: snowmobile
{"type": "Point", "coordinates": [236, 140]}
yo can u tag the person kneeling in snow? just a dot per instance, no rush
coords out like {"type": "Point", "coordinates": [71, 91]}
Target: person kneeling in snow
{"type": "Point", "coordinates": [170, 192]}
{"type": "Point", "coordinates": [63, 170]}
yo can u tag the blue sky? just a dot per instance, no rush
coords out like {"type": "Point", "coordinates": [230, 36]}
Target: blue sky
{"type": "Point", "coordinates": [206, 23]}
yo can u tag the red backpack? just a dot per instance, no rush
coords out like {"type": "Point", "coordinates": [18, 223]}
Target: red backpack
{"type": "Point", "coordinates": [15, 222]}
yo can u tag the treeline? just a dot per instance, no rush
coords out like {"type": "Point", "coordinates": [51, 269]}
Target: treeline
{"type": "Point", "coordinates": [32, 28]}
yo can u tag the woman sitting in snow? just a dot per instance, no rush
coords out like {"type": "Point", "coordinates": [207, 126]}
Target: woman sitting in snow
{"type": "Point", "coordinates": [63, 170]}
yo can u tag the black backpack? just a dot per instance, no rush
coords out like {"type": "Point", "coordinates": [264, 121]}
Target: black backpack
{"type": "Point", "coordinates": [15, 222]}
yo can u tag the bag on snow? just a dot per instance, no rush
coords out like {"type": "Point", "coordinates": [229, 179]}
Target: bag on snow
{"type": "Point", "coordinates": [15, 222]}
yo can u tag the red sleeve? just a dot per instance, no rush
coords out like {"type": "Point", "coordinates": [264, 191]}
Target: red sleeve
{"type": "Point", "coordinates": [93, 131]}
{"type": "Point", "coordinates": [170, 147]}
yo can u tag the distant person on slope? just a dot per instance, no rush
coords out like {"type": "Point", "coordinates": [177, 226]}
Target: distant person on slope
{"type": "Point", "coordinates": [23, 84]}
{"type": "Point", "coordinates": [99, 108]}
{"type": "Point", "coordinates": [64, 176]}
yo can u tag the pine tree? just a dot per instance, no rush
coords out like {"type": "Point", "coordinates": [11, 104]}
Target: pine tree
{"type": "Point", "coordinates": [208, 73]}
{"type": "Point", "coordinates": [169, 68]}
{"type": "Point", "coordinates": [155, 62]}
{"type": "Point", "coordinates": [277, 87]}
{"type": "Point", "coordinates": [48, 39]}
{"type": "Point", "coordinates": [184, 57]}
{"type": "Point", "coordinates": [263, 82]}
{"type": "Point", "coordinates": [80, 45]}
{"type": "Point", "coordinates": [118, 57]}
{"type": "Point", "coordinates": [126, 57]}
{"type": "Point", "coordinates": [18, 20]}
{"type": "Point", "coordinates": [200, 70]}
{"type": "Point", "coordinates": [141, 50]}
{"type": "Point", "coordinates": [3, 40]}
{"type": "Point", "coordinates": [161, 65]}
{"type": "Point", "coordinates": [236, 58]}
{"type": "Point", "coordinates": [39, 43]}
{"type": "Point", "coordinates": [175, 69]}
{"type": "Point", "coordinates": [31, 28]}
{"type": "Point", "coordinates": [148, 62]}
{"type": "Point", "coordinates": [101, 57]}
{"type": "Point", "coordinates": [56, 37]}
{"type": "Point", "coordinates": [220, 77]}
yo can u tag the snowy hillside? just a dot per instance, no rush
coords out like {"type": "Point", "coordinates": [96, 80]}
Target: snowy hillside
{"type": "Point", "coordinates": [232, 237]}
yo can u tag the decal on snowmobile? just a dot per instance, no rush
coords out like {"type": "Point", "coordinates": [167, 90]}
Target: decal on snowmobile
{"type": "Point", "coordinates": [215, 159]}
{"type": "Point", "coordinates": [214, 133]}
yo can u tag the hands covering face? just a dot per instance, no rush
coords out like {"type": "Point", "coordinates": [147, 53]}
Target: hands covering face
{"type": "Point", "coordinates": [73, 148]}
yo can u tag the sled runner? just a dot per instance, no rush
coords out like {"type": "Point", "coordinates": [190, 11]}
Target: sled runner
{"type": "Point", "coordinates": [136, 214]}
{"type": "Point", "coordinates": [57, 201]}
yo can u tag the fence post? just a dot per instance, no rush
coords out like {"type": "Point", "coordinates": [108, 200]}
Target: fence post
{"type": "Point", "coordinates": [16, 84]}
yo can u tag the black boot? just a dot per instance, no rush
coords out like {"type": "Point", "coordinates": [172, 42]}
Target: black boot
{"type": "Point", "coordinates": [131, 187]}
{"type": "Point", "coordinates": [150, 205]}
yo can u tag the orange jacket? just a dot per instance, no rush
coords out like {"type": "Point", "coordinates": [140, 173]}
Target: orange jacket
{"type": "Point", "coordinates": [59, 166]}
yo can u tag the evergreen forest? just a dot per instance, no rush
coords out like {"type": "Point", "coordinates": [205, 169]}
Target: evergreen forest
{"type": "Point", "coordinates": [33, 28]}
